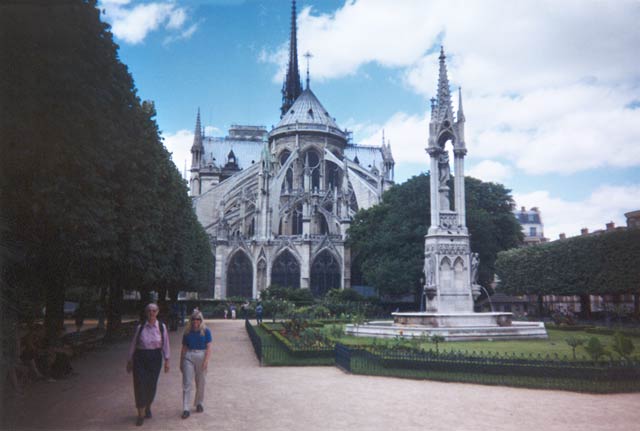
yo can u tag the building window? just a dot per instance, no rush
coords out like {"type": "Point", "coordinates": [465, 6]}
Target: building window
{"type": "Point", "coordinates": [286, 271]}
{"type": "Point", "coordinates": [325, 274]}
{"type": "Point", "coordinates": [240, 276]}
{"type": "Point", "coordinates": [532, 231]}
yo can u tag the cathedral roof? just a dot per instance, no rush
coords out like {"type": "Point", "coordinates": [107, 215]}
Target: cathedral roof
{"type": "Point", "coordinates": [307, 113]}
{"type": "Point", "coordinates": [217, 151]}
{"type": "Point", "coordinates": [307, 109]}
{"type": "Point", "coordinates": [368, 155]}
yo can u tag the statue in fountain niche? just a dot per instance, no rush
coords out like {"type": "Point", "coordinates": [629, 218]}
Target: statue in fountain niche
{"type": "Point", "coordinates": [444, 173]}
{"type": "Point", "coordinates": [430, 270]}
{"type": "Point", "coordinates": [475, 264]}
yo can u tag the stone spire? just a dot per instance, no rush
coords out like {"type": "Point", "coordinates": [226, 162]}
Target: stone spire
{"type": "Point", "coordinates": [460, 112]}
{"type": "Point", "coordinates": [443, 99]}
{"type": "Point", "coordinates": [292, 86]}
{"type": "Point", "coordinates": [197, 149]}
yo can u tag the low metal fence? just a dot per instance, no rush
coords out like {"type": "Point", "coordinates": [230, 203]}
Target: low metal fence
{"type": "Point", "coordinates": [256, 341]}
{"type": "Point", "coordinates": [491, 369]}
{"type": "Point", "coordinates": [587, 376]}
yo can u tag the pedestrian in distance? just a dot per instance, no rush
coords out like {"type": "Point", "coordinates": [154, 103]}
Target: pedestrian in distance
{"type": "Point", "coordinates": [148, 347]}
{"type": "Point", "coordinates": [183, 313]}
{"type": "Point", "coordinates": [194, 362]}
{"type": "Point", "coordinates": [79, 317]}
{"type": "Point", "coordinates": [259, 311]}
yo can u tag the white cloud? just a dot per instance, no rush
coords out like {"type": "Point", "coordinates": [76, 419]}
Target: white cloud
{"type": "Point", "coordinates": [545, 84]}
{"type": "Point", "coordinates": [605, 204]}
{"type": "Point", "coordinates": [176, 19]}
{"type": "Point", "coordinates": [211, 130]}
{"type": "Point", "coordinates": [179, 145]}
{"type": "Point", "coordinates": [490, 170]}
{"type": "Point", "coordinates": [186, 34]}
{"type": "Point", "coordinates": [132, 23]}
{"type": "Point", "coordinates": [407, 135]}
{"type": "Point", "coordinates": [521, 45]}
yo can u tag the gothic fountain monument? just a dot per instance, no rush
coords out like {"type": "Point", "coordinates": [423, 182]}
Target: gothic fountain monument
{"type": "Point", "coordinates": [450, 269]}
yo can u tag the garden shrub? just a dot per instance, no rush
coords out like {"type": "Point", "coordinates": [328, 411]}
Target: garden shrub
{"type": "Point", "coordinates": [622, 345]}
{"type": "Point", "coordinates": [595, 349]}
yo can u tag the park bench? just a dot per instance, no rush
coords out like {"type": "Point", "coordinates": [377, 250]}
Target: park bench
{"type": "Point", "coordinates": [84, 341]}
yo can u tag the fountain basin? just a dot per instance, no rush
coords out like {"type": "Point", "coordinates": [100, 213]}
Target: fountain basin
{"type": "Point", "coordinates": [451, 326]}
{"type": "Point", "coordinates": [453, 320]}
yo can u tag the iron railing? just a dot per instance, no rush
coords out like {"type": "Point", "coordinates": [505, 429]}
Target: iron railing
{"type": "Point", "coordinates": [496, 369]}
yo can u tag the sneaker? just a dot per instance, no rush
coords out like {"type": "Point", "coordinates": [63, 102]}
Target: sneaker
{"type": "Point", "coordinates": [147, 413]}
{"type": "Point", "coordinates": [185, 414]}
{"type": "Point", "coordinates": [139, 421]}
{"type": "Point", "coordinates": [199, 408]}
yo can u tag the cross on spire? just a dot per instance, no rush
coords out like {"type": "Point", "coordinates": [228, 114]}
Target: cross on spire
{"type": "Point", "coordinates": [308, 56]}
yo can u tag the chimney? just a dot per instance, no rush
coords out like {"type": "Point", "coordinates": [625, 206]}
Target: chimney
{"type": "Point", "coordinates": [563, 236]}
{"type": "Point", "coordinates": [523, 209]}
{"type": "Point", "coordinates": [534, 209]}
{"type": "Point", "coordinates": [610, 226]}
{"type": "Point", "coordinates": [584, 231]}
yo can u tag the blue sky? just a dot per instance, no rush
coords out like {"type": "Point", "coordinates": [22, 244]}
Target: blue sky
{"type": "Point", "coordinates": [551, 90]}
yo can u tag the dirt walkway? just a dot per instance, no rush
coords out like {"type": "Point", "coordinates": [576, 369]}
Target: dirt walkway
{"type": "Point", "coordinates": [241, 395]}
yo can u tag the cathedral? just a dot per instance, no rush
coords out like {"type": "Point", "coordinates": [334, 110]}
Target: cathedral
{"type": "Point", "coordinates": [277, 203]}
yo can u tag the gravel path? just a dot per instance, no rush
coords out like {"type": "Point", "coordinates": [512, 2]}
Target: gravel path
{"type": "Point", "coordinates": [241, 395]}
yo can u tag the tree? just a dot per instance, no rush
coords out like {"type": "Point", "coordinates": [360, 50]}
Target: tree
{"type": "Point", "coordinates": [608, 263]}
{"type": "Point", "coordinates": [57, 139]}
{"type": "Point", "coordinates": [89, 195]}
{"type": "Point", "coordinates": [388, 239]}
{"type": "Point", "coordinates": [622, 345]}
{"type": "Point", "coordinates": [574, 343]}
{"type": "Point", "coordinates": [595, 349]}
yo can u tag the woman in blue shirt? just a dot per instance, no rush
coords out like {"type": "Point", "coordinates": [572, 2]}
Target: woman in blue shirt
{"type": "Point", "coordinates": [194, 359]}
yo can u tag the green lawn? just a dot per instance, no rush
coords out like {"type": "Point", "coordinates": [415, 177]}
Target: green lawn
{"type": "Point", "coordinates": [555, 344]}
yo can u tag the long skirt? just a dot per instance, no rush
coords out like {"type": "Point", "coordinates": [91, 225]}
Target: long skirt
{"type": "Point", "coordinates": [146, 370]}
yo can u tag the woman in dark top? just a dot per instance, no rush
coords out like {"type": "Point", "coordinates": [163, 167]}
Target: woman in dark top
{"type": "Point", "coordinates": [149, 345]}
{"type": "Point", "coordinates": [194, 360]}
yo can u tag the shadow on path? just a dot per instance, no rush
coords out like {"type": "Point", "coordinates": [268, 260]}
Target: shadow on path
{"type": "Point", "coordinates": [241, 395]}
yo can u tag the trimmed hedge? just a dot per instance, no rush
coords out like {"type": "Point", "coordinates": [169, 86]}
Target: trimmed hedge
{"type": "Point", "coordinates": [595, 264]}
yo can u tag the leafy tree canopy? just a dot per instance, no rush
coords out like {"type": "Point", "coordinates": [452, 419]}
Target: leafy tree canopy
{"type": "Point", "coordinates": [88, 193]}
{"type": "Point", "coordinates": [387, 240]}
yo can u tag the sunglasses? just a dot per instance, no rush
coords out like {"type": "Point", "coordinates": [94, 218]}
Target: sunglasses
{"type": "Point", "coordinates": [199, 320]}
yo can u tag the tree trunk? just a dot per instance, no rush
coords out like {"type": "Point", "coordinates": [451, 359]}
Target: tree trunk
{"type": "Point", "coordinates": [585, 306]}
{"type": "Point", "coordinates": [54, 301]}
{"type": "Point", "coordinates": [540, 305]}
{"type": "Point", "coordinates": [114, 309]}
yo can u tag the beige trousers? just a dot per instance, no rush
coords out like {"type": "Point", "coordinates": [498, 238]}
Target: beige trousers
{"type": "Point", "coordinates": [192, 370]}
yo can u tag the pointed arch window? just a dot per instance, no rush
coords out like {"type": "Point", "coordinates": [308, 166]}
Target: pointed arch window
{"type": "Point", "coordinates": [311, 161]}
{"type": "Point", "coordinates": [286, 271]}
{"type": "Point", "coordinates": [240, 276]}
{"type": "Point", "coordinates": [325, 274]}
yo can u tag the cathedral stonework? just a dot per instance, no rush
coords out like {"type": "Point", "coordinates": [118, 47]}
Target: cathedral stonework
{"type": "Point", "coordinates": [277, 204]}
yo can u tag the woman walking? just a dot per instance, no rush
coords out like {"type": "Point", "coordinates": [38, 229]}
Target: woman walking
{"type": "Point", "coordinates": [149, 345]}
{"type": "Point", "coordinates": [194, 360]}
